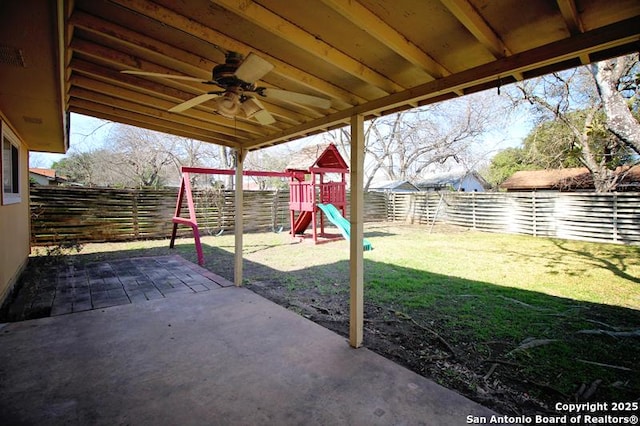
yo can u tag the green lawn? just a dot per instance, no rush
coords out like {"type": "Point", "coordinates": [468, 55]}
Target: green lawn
{"type": "Point", "coordinates": [485, 294]}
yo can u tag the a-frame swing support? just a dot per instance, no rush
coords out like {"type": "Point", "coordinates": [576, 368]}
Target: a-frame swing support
{"type": "Point", "coordinates": [186, 191]}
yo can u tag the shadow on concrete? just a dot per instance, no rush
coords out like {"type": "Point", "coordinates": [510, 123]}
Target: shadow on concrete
{"type": "Point", "coordinates": [448, 328]}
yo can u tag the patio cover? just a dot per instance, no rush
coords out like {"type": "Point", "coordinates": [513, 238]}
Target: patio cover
{"type": "Point", "coordinates": [367, 57]}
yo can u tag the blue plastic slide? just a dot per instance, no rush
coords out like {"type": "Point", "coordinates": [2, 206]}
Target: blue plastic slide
{"type": "Point", "coordinates": [333, 214]}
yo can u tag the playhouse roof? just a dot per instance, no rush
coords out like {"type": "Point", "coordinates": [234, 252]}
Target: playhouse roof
{"type": "Point", "coordinates": [324, 156]}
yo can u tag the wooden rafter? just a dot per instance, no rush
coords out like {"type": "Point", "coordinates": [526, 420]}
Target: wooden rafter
{"type": "Point", "coordinates": [384, 33]}
{"type": "Point", "coordinates": [117, 115]}
{"type": "Point", "coordinates": [183, 61]}
{"type": "Point", "coordinates": [117, 98]}
{"type": "Point", "coordinates": [121, 60]}
{"type": "Point", "coordinates": [276, 24]}
{"type": "Point", "coordinates": [208, 120]}
{"type": "Point", "coordinates": [488, 74]}
{"type": "Point", "coordinates": [475, 23]}
{"type": "Point", "coordinates": [309, 43]}
{"type": "Point", "coordinates": [481, 30]}
{"type": "Point", "coordinates": [573, 22]}
{"type": "Point", "coordinates": [570, 15]}
{"type": "Point", "coordinates": [342, 98]}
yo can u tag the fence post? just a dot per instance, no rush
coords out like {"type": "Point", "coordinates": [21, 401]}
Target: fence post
{"type": "Point", "coordinates": [534, 218]}
{"type": "Point", "coordinates": [473, 208]}
{"type": "Point", "coordinates": [615, 217]}
{"type": "Point", "coordinates": [426, 205]}
{"type": "Point", "coordinates": [136, 227]}
{"type": "Point", "coordinates": [394, 205]}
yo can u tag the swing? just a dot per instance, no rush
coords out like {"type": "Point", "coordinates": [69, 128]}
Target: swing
{"type": "Point", "coordinates": [185, 191]}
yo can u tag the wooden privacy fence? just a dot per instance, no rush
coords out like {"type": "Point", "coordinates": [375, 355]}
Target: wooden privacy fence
{"type": "Point", "coordinates": [594, 217]}
{"type": "Point", "coordinates": [69, 214]}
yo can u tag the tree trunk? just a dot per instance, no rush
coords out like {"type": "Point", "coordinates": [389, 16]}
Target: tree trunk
{"type": "Point", "coordinates": [620, 121]}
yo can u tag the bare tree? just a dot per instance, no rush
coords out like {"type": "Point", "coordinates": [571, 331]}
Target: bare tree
{"type": "Point", "coordinates": [263, 160]}
{"type": "Point", "coordinates": [227, 161]}
{"type": "Point", "coordinates": [404, 145]}
{"type": "Point", "coordinates": [193, 153]}
{"type": "Point", "coordinates": [571, 98]}
{"type": "Point", "coordinates": [140, 157]}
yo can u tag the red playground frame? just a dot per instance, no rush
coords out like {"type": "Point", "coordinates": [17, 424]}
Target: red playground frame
{"type": "Point", "coordinates": [304, 195]}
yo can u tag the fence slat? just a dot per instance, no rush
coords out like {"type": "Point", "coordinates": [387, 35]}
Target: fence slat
{"type": "Point", "coordinates": [67, 214]}
{"type": "Point", "coordinates": [613, 218]}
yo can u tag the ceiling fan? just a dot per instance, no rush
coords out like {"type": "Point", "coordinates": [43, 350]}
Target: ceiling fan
{"type": "Point", "coordinates": [237, 77]}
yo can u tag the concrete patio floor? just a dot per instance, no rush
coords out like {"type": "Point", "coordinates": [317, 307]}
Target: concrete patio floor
{"type": "Point", "coordinates": [225, 356]}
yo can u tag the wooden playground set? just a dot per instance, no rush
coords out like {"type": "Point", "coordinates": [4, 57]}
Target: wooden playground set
{"type": "Point", "coordinates": [317, 183]}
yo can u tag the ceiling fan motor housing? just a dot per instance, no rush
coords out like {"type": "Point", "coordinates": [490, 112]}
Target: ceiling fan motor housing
{"type": "Point", "coordinates": [224, 74]}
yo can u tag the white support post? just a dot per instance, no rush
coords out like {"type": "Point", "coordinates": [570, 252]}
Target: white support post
{"type": "Point", "coordinates": [239, 231]}
{"type": "Point", "coordinates": [356, 300]}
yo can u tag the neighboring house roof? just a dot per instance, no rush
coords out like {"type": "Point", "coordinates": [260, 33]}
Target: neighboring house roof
{"type": "Point", "coordinates": [449, 179]}
{"type": "Point", "coordinates": [631, 180]}
{"type": "Point", "coordinates": [569, 179]}
{"type": "Point", "coordinates": [49, 174]}
{"type": "Point", "coordinates": [394, 185]}
{"type": "Point", "coordinates": [321, 156]}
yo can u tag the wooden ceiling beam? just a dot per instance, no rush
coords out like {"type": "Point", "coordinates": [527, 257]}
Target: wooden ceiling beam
{"type": "Point", "coordinates": [126, 80]}
{"type": "Point", "coordinates": [128, 61]}
{"type": "Point", "coordinates": [131, 122]}
{"type": "Point", "coordinates": [276, 24]}
{"type": "Point", "coordinates": [79, 91]}
{"type": "Point", "coordinates": [122, 116]}
{"type": "Point", "coordinates": [559, 52]}
{"type": "Point", "coordinates": [573, 22]}
{"type": "Point", "coordinates": [571, 17]}
{"type": "Point", "coordinates": [475, 23]}
{"type": "Point", "coordinates": [341, 98]}
{"type": "Point", "coordinates": [366, 20]}
{"type": "Point", "coordinates": [196, 113]}
{"type": "Point", "coordinates": [185, 62]}
{"type": "Point", "coordinates": [181, 60]}
{"type": "Point", "coordinates": [176, 96]}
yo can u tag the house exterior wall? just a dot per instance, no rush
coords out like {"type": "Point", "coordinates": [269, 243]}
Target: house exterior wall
{"type": "Point", "coordinates": [39, 179]}
{"type": "Point", "coordinates": [471, 184]}
{"type": "Point", "coordinates": [14, 225]}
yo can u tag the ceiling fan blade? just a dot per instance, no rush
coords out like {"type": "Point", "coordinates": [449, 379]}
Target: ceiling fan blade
{"type": "Point", "coordinates": [171, 76]}
{"type": "Point", "coordinates": [193, 102]}
{"type": "Point", "coordinates": [264, 117]}
{"type": "Point", "coordinates": [253, 68]}
{"type": "Point", "coordinates": [298, 98]}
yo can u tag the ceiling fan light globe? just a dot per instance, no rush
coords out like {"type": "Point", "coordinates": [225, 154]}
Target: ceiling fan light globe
{"type": "Point", "coordinates": [228, 105]}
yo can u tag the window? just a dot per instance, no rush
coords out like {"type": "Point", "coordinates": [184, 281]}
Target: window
{"type": "Point", "coordinates": [10, 167]}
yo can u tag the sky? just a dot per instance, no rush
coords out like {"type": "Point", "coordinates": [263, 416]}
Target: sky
{"type": "Point", "coordinates": [88, 133]}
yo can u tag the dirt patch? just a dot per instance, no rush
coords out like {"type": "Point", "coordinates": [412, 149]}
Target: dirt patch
{"type": "Point", "coordinates": [412, 341]}
{"type": "Point", "coordinates": [397, 336]}
{"type": "Point", "coordinates": [462, 332]}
